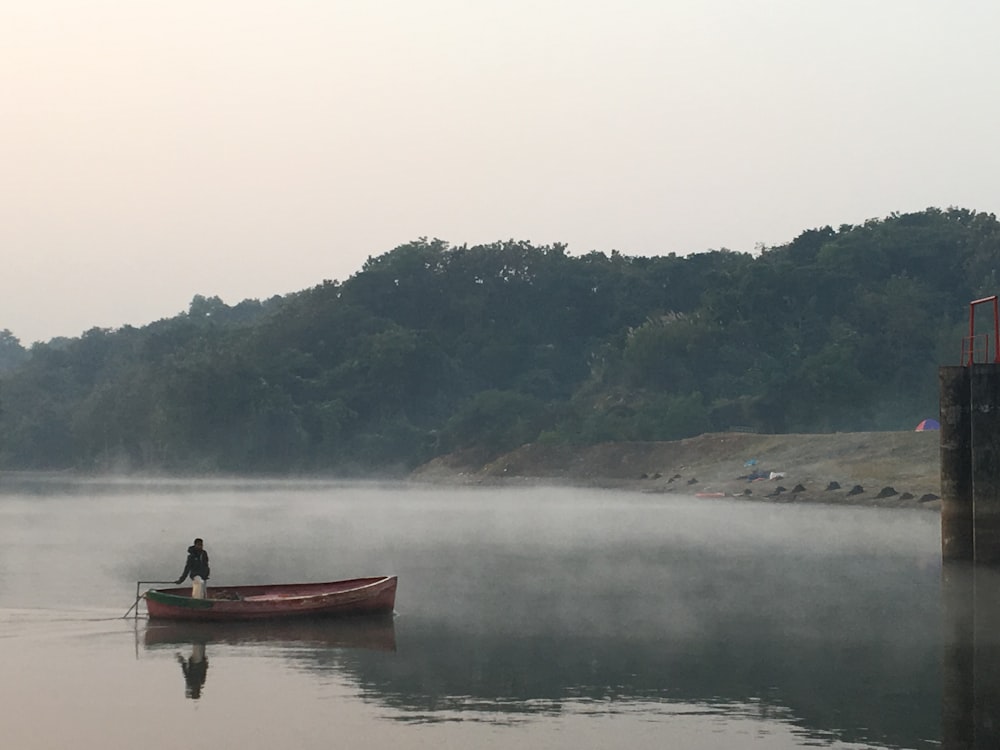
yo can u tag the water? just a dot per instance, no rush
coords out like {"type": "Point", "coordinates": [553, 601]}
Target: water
{"type": "Point", "coordinates": [548, 618]}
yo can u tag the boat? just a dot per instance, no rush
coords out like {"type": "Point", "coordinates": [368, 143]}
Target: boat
{"type": "Point", "coordinates": [356, 596]}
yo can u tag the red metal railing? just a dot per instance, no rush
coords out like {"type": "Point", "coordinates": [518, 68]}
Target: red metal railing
{"type": "Point", "coordinates": [976, 348]}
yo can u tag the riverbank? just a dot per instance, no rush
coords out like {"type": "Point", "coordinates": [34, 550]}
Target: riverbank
{"type": "Point", "coordinates": [884, 469]}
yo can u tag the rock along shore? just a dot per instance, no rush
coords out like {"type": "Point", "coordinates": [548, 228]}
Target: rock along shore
{"type": "Point", "coordinates": [883, 469]}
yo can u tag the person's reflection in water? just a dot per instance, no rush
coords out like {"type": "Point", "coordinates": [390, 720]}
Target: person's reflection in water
{"type": "Point", "coordinates": [195, 669]}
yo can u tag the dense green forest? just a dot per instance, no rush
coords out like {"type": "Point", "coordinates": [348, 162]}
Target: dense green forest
{"type": "Point", "coordinates": [430, 349]}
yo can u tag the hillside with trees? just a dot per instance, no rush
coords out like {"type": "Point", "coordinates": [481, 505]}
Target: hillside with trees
{"type": "Point", "coordinates": [431, 349]}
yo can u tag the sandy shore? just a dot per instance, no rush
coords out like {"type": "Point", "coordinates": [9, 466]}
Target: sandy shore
{"type": "Point", "coordinates": [885, 469]}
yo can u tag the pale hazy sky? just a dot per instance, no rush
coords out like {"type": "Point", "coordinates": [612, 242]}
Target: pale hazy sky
{"type": "Point", "coordinates": [151, 151]}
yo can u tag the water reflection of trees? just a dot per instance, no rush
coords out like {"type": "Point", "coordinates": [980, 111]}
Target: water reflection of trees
{"type": "Point", "coordinates": [865, 674]}
{"type": "Point", "coordinates": [865, 691]}
{"type": "Point", "coordinates": [854, 688]}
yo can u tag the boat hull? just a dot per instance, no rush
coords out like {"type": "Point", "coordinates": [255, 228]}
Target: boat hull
{"type": "Point", "coordinates": [357, 596]}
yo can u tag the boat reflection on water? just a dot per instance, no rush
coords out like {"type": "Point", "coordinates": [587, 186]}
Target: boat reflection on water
{"type": "Point", "coordinates": [377, 633]}
{"type": "Point", "coordinates": [317, 637]}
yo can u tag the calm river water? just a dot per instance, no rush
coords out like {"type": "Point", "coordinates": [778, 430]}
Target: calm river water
{"type": "Point", "coordinates": [536, 618]}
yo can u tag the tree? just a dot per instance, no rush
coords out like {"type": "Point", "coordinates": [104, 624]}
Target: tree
{"type": "Point", "coordinates": [12, 354]}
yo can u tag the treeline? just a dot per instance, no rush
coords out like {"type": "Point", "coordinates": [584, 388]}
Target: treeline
{"type": "Point", "coordinates": [431, 349]}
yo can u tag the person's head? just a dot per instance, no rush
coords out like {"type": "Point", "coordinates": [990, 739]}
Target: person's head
{"type": "Point", "coordinates": [199, 543]}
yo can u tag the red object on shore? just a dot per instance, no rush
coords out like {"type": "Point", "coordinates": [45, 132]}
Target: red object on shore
{"type": "Point", "coordinates": [357, 596]}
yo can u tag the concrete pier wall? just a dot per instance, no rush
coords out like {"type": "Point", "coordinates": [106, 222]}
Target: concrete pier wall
{"type": "Point", "coordinates": [957, 539]}
{"type": "Point", "coordinates": [985, 419]}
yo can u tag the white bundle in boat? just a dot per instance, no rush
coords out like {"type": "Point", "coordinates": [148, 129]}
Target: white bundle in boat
{"type": "Point", "coordinates": [198, 589]}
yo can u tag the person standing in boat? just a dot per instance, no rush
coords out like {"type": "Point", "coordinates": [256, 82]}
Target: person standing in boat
{"type": "Point", "coordinates": [197, 567]}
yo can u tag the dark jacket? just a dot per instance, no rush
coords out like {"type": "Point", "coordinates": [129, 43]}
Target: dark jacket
{"type": "Point", "coordinates": [196, 565]}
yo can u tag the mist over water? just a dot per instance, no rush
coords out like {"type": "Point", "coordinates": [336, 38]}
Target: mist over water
{"type": "Point", "coordinates": [516, 607]}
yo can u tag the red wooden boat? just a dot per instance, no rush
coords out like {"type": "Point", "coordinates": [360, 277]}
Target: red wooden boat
{"type": "Point", "coordinates": [356, 596]}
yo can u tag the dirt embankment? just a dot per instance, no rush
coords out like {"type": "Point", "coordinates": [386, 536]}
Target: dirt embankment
{"type": "Point", "coordinates": [890, 469]}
